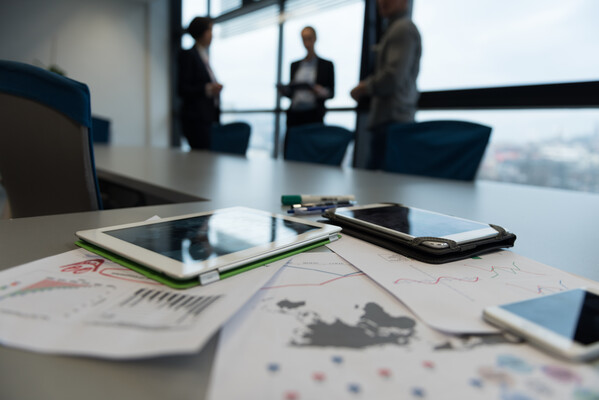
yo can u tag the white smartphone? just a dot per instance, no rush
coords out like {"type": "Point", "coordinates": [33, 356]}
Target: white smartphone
{"type": "Point", "coordinates": [408, 223]}
{"type": "Point", "coordinates": [565, 324]}
{"type": "Point", "coordinates": [209, 243]}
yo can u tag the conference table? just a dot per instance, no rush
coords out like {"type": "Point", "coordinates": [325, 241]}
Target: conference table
{"type": "Point", "coordinates": [554, 227]}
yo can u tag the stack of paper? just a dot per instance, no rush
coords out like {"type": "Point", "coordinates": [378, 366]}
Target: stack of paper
{"type": "Point", "coordinates": [360, 322]}
{"type": "Point", "coordinates": [323, 329]}
{"type": "Point", "coordinates": [87, 305]}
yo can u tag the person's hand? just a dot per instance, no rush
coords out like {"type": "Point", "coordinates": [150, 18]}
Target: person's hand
{"type": "Point", "coordinates": [359, 91]}
{"type": "Point", "coordinates": [215, 89]}
{"type": "Point", "coordinates": [320, 90]}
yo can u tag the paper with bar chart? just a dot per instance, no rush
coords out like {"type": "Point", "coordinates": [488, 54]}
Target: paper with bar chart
{"type": "Point", "coordinates": [80, 303]}
{"type": "Point", "coordinates": [321, 329]}
{"type": "Point", "coordinates": [451, 297]}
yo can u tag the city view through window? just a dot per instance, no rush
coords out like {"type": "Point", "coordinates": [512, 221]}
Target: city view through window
{"type": "Point", "coordinates": [490, 45]}
{"type": "Point", "coordinates": [500, 44]}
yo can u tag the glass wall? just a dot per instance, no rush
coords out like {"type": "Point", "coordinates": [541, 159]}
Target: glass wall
{"type": "Point", "coordinates": [244, 58]}
{"type": "Point", "coordinates": [263, 128]}
{"type": "Point", "coordinates": [474, 43]}
{"type": "Point", "coordinates": [485, 43]}
{"type": "Point", "coordinates": [466, 44]}
{"type": "Point", "coordinates": [189, 10]}
{"type": "Point", "coordinates": [555, 148]}
{"type": "Point", "coordinates": [340, 43]}
{"type": "Point", "coordinates": [218, 7]}
{"type": "Point", "coordinates": [245, 50]}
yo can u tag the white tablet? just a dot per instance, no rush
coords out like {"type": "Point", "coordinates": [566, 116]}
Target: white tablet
{"type": "Point", "coordinates": [564, 323]}
{"type": "Point", "coordinates": [208, 243]}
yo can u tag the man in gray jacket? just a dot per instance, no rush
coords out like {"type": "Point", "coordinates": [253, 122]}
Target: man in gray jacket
{"type": "Point", "coordinates": [392, 86]}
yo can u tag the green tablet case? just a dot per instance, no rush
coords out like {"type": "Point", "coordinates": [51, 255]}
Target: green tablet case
{"type": "Point", "coordinates": [187, 283]}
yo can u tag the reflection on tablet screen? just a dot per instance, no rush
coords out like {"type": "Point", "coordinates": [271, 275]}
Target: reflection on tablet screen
{"type": "Point", "coordinates": [209, 236]}
{"type": "Point", "coordinates": [413, 221]}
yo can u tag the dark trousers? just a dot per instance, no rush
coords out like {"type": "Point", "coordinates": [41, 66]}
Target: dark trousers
{"type": "Point", "coordinates": [378, 138]}
{"type": "Point", "coordinates": [295, 118]}
{"type": "Point", "coordinates": [197, 132]}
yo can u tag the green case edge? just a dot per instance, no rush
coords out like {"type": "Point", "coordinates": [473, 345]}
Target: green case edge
{"type": "Point", "coordinates": [187, 283]}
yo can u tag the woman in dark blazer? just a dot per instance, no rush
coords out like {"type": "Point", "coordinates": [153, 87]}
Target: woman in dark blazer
{"type": "Point", "coordinates": [312, 81]}
{"type": "Point", "coordinates": [198, 88]}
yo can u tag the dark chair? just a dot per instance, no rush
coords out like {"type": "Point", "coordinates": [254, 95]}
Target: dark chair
{"type": "Point", "coordinates": [101, 130]}
{"type": "Point", "coordinates": [317, 143]}
{"type": "Point", "coordinates": [230, 138]}
{"type": "Point", "coordinates": [441, 149]}
{"type": "Point", "coordinates": [46, 154]}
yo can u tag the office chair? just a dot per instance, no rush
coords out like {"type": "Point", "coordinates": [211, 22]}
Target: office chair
{"type": "Point", "coordinates": [46, 154]}
{"type": "Point", "coordinates": [230, 138]}
{"type": "Point", "coordinates": [441, 149]}
{"type": "Point", "coordinates": [317, 143]}
{"type": "Point", "coordinates": [101, 130]}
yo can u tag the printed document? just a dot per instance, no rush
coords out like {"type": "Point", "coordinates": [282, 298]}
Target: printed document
{"type": "Point", "coordinates": [321, 329]}
{"type": "Point", "coordinates": [78, 303]}
{"type": "Point", "coordinates": [451, 296]}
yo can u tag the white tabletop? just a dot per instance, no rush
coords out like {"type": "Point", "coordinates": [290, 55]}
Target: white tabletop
{"type": "Point", "coordinates": [555, 227]}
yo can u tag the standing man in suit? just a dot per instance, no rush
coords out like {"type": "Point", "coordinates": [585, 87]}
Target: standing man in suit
{"type": "Point", "coordinates": [198, 86]}
{"type": "Point", "coordinates": [312, 81]}
{"type": "Point", "coordinates": [392, 86]}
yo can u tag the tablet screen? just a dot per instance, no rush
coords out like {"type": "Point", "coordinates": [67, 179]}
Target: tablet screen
{"type": "Point", "coordinates": [573, 314]}
{"type": "Point", "coordinates": [413, 221]}
{"type": "Point", "coordinates": [209, 236]}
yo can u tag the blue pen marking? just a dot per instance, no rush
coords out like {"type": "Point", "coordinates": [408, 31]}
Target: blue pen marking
{"type": "Point", "coordinates": [513, 363]}
{"type": "Point", "coordinates": [337, 359]}
{"type": "Point", "coordinates": [273, 367]}
{"type": "Point", "coordinates": [476, 382]}
{"type": "Point", "coordinates": [354, 388]}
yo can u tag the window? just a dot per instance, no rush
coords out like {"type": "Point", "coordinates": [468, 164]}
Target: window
{"type": "Point", "coordinates": [555, 148]}
{"type": "Point", "coordinates": [244, 57]}
{"type": "Point", "coordinates": [340, 43]}
{"type": "Point", "coordinates": [219, 7]}
{"type": "Point", "coordinates": [190, 10]}
{"type": "Point", "coordinates": [483, 43]}
{"type": "Point", "coordinates": [262, 137]}
{"type": "Point", "coordinates": [474, 43]}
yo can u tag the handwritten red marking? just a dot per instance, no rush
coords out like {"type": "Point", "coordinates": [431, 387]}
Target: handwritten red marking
{"type": "Point", "coordinates": [385, 372]}
{"type": "Point", "coordinates": [319, 376]}
{"type": "Point", "coordinates": [291, 395]}
{"type": "Point", "coordinates": [428, 364]}
{"type": "Point", "coordinates": [83, 267]}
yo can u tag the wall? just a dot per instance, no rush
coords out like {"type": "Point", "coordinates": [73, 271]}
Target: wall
{"type": "Point", "coordinates": [119, 48]}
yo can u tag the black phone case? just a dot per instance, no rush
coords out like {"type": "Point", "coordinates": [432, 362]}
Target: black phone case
{"type": "Point", "coordinates": [416, 250]}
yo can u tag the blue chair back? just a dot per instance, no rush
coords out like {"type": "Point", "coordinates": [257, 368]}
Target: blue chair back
{"type": "Point", "coordinates": [317, 143]}
{"type": "Point", "coordinates": [441, 149]}
{"type": "Point", "coordinates": [101, 129]}
{"type": "Point", "coordinates": [230, 138]}
{"type": "Point", "coordinates": [46, 152]}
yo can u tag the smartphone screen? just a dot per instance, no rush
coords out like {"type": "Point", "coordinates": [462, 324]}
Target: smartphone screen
{"type": "Point", "coordinates": [573, 314]}
{"type": "Point", "coordinates": [413, 221]}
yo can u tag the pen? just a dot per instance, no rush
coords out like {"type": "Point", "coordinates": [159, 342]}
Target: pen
{"type": "Point", "coordinates": [315, 209]}
{"type": "Point", "coordinates": [290, 199]}
{"type": "Point", "coordinates": [340, 204]}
